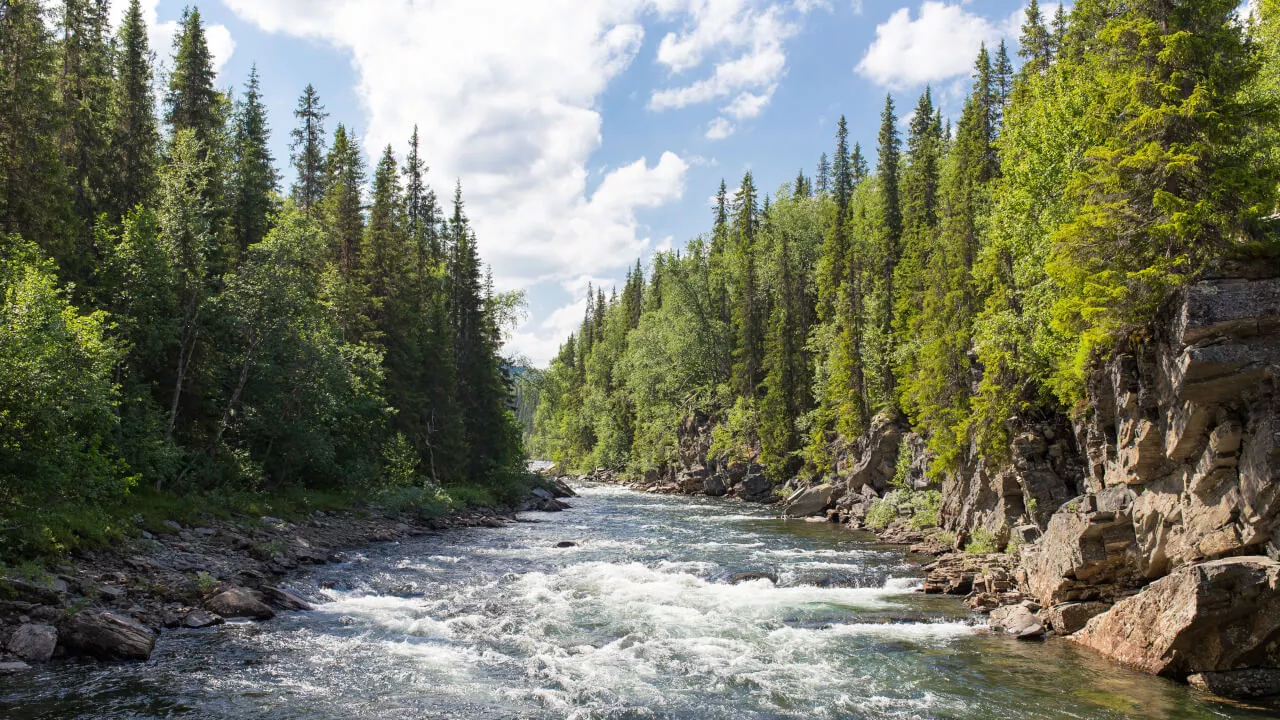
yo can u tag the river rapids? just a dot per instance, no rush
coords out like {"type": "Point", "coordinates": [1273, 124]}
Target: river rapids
{"type": "Point", "coordinates": [665, 608]}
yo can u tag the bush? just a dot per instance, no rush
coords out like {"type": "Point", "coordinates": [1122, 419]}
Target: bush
{"type": "Point", "coordinates": [981, 542]}
{"type": "Point", "coordinates": [884, 511]}
{"type": "Point", "coordinates": [925, 509]}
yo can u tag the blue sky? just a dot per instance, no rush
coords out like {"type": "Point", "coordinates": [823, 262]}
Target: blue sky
{"type": "Point", "coordinates": [587, 133]}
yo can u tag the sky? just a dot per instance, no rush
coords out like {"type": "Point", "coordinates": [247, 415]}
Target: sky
{"type": "Point", "coordinates": [588, 134]}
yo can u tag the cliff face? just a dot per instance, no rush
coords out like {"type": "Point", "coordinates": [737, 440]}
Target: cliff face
{"type": "Point", "coordinates": [1181, 447]}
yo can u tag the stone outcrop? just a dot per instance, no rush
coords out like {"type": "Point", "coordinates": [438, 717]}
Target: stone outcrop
{"type": "Point", "coordinates": [1212, 617]}
{"type": "Point", "coordinates": [107, 636]}
{"type": "Point", "coordinates": [1043, 472]}
{"type": "Point", "coordinates": [1182, 448]}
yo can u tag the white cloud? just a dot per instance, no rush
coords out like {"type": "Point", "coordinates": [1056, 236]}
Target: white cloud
{"type": "Point", "coordinates": [939, 43]}
{"type": "Point", "coordinates": [160, 35]}
{"type": "Point", "coordinates": [747, 40]}
{"type": "Point", "coordinates": [719, 129]}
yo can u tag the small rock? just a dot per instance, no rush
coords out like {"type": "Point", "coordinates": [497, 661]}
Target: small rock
{"type": "Point", "coordinates": [34, 642]}
{"type": "Point", "coordinates": [111, 592]}
{"type": "Point", "coordinates": [240, 602]}
{"type": "Point", "coordinates": [13, 668]}
{"type": "Point", "coordinates": [741, 577]}
{"type": "Point", "coordinates": [197, 619]}
{"type": "Point", "coordinates": [566, 544]}
{"type": "Point", "coordinates": [173, 526]}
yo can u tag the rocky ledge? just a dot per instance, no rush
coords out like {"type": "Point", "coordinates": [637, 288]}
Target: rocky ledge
{"type": "Point", "coordinates": [112, 604]}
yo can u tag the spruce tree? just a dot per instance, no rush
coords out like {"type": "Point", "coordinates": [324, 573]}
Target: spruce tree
{"type": "Point", "coordinates": [748, 351]}
{"type": "Point", "coordinates": [822, 178]}
{"type": "Point", "coordinates": [192, 102]}
{"type": "Point", "coordinates": [85, 80]}
{"type": "Point", "coordinates": [887, 171]}
{"type": "Point", "coordinates": [34, 196]}
{"type": "Point", "coordinates": [1036, 46]}
{"type": "Point", "coordinates": [308, 151]}
{"type": "Point", "coordinates": [253, 182]}
{"type": "Point", "coordinates": [135, 140]}
{"type": "Point", "coordinates": [858, 165]}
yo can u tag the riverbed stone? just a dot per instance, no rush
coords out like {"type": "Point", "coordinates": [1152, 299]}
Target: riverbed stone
{"type": "Point", "coordinates": [240, 603]}
{"type": "Point", "coordinates": [197, 619]}
{"type": "Point", "coordinates": [1248, 683]}
{"type": "Point", "coordinates": [714, 486]}
{"type": "Point", "coordinates": [107, 636]}
{"type": "Point", "coordinates": [1068, 618]}
{"type": "Point", "coordinates": [808, 502]}
{"type": "Point", "coordinates": [13, 668]}
{"type": "Point", "coordinates": [33, 642]}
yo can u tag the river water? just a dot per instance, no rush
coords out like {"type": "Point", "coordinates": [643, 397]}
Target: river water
{"type": "Point", "coordinates": [641, 619]}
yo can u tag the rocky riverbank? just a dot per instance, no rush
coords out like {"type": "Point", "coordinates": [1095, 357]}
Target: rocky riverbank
{"type": "Point", "coordinates": [111, 604]}
{"type": "Point", "coordinates": [1145, 526]}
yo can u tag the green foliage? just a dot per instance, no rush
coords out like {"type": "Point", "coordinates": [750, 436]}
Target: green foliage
{"type": "Point", "coordinates": [981, 542]}
{"type": "Point", "coordinates": [883, 511]}
{"type": "Point", "coordinates": [925, 509]}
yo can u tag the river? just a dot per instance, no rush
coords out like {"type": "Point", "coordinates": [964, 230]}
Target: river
{"type": "Point", "coordinates": [640, 619]}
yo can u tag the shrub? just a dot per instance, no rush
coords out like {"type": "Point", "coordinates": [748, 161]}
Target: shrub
{"type": "Point", "coordinates": [981, 542]}
{"type": "Point", "coordinates": [925, 509]}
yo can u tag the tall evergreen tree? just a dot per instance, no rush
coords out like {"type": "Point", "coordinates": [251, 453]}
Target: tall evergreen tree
{"type": "Point", "coordinates": [1036, 45]}
{"type": "Point", "coordinates": [34, 197]}
{"type": "Point", "coordinates": [192, 102]}
{"type": "Point", "coordinates": [85, 80]}
{"type": "Point", "coordinates": [307, 151]}
{"type": "Point", "coordinates": [253, 182]}
{"type": "Point", "coordinates": [748, 351]}
{"type": "Point", "coordinates": [888, 173]}
{"type": "Point", "coordinates": [822, 178]}
{"type": "Point", "coordinates": [135, 140]}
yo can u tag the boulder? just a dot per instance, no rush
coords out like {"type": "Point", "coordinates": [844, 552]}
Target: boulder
{"type": "Point", "coordinates": [714, 486]}
{"type": "Point", "coordinates": [1018, 620]}
{"type": "Point", "coordinates": [741, 577]}
{"type": "Point", "coordinates": [1069, 618]}
{"type": "Point", "coordinates": [13, 668]}
{"type": "Point", "coordinates": [285, 599]}
{"type": "Point", "coordinates": [807, 502]}
{"type": "Point", "coordinates": [240, 603]}
{"type": "Point", "coordinates": [756, 486]}
{"type": "Point", "coordinates": [198, 618]}
{"type": "Point", "coordinates": [33, 642]}
{"type": "Point", "coordinates": [875, 455]}
{"type": "Point", "coordinates": [1216, 616]}
{"type": "Point", "coordinates": [107, 636]}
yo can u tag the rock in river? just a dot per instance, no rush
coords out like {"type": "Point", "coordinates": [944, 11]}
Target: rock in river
{"type": "Point", "coordinates": [810, 501]}
{"type": "Point", "coordinates": [106, 635]}
{"type": "Point", "coordinates": [34, 642]}
{"type": "Point", "coordinates": [238, 603]}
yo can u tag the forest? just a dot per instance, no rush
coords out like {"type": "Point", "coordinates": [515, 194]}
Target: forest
{"type": "Point", "coordinates": [968, 273]}
{"type": "Point", "coordinates": [178, 331]}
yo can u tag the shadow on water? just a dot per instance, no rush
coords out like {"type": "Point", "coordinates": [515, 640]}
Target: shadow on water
{"type": "Point", "coordinates": [664, 608]}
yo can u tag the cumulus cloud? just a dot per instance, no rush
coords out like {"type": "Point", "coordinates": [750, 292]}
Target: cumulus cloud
{"type": "Point", "coordinates": [938, 43]}
{"type": "Point", "coordinates": [747, 39]}
{"type": "Point", "coordinates": [161, 34]}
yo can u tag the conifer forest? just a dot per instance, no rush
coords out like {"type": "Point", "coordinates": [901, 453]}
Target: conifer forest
{"type": "Point", "coordinates": [175, 321]}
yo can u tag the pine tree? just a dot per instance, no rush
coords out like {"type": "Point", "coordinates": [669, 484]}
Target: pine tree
{"type": "Point", "coordinates": [1059, 29]}
{"type": "Point", "coordinates": [822, 177]}
{"type": "Point", "coordinates": [253, 183]}
{"type": "Point", "coordinates": [342, 203]}
{"type": "Point", "coordinates": [34, 197]}
{"type": "Point", "coordinates": [800, 188]}
{"type": "Point", "coordinates": [307, 151]}
{"type": "Point", "coordinates": [192, 102]}
{"type": "Point", "coordinates": [858, 165]}
{"type": "Point", "coordinates": [891, 237]}
{"type": "Point", "coordinates": [422, 211]}
{"type": "Point", "coordinates": [85, 94]}
{"type": "Point", "coordinates": [748, 352]}
{"type": "Point", "coordinates": [1002, 82]}
{"type": "Point", "coordinates": [135, 140]}
{"type": "Point", "coordinates": [384, 249]}
{"type": "Point", "coordinates": [920, 220]}
{"type": "Point", "coordinates": [1036, 46]}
